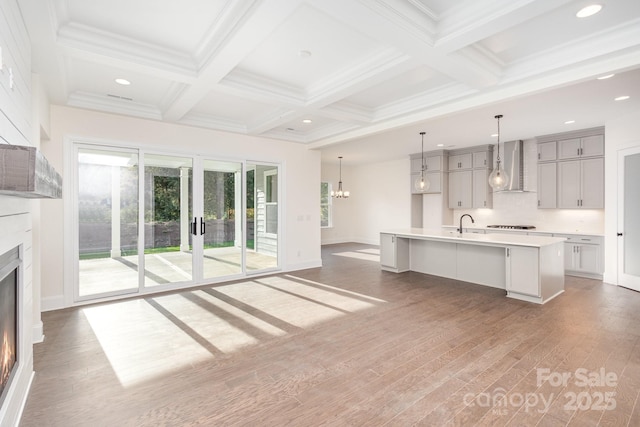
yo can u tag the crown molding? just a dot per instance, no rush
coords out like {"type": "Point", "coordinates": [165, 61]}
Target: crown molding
{"type": "Point", "coordinates": [211, 122]}
{"type": "Point", "coordinates": [609, 43]}
{"type": "Point", "coordinates": [422, 101]}
{"type": "Point", "coordinates": [363, 71]}
{"type": "Point", "coordinates": [254, 86]}
{"type": "Point", "coordinates": [94, 42]}
{"type": "Point", "coordinates": [113, 105]}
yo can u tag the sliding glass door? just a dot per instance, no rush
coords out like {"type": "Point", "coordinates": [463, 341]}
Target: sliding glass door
{"type": "Point", "coordinates": [159, 221]}
{"type": "Point", "coordinates": [263, 213]}
{"type": "Point", "coordinates": [222, 218]}
{"type": "Point", "coordinates": [107, 221]}
{"type": "Point", "coordinates": [168, 198]}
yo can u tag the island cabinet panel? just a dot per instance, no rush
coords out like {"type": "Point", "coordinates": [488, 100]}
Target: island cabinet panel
{"type": "Point", "coordinates": [394, 253]}
{"type": "Point", "coordinates": [483, 265]}
{"type": "Point", "coordinates": [432, 257]}
{"type": "Point", "coordinates": [522, 270]}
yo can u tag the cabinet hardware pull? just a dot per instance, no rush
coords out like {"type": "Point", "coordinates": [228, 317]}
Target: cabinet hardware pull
{"type": "Point", "coordinates": [508, 252]}
{"type": "Point", "coordinates": [619, 234]}
{"type": "Point", "coordinates": [538, 156]}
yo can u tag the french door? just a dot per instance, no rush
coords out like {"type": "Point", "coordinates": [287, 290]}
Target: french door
{"type": "Point", "coordinates": [629, 218]}
{"type": "Point", "coordinates": [150, 221]}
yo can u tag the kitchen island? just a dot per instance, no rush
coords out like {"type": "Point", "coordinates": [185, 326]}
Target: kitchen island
{"type": "Point", "coordinates": [528, 268]}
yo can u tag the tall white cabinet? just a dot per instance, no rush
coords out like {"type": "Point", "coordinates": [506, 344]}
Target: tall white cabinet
{"type": "Point", "coordinates": [571, 170]}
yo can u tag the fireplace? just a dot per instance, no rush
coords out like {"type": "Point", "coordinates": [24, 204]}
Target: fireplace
{"type": "Point", "coordinates": [9, 263]}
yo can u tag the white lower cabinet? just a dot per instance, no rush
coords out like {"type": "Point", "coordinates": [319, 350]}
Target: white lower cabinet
{"type": "Point", "coordinates": [523, 270]}
{"type": "Point", "coordinates": [583, 255]}
{"type": "Point", "coordinates": [394, 253]}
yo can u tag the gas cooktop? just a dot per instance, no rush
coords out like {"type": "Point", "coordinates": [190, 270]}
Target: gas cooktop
{"type": "Point", "coordinates": [513, 227]}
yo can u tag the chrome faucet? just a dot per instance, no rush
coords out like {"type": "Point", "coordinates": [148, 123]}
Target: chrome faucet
{"type": "Point", "coordinates": [472, 222]}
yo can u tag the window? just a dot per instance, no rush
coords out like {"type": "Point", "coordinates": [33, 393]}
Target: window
{"type": "Point", "coordinates": [325, 205]}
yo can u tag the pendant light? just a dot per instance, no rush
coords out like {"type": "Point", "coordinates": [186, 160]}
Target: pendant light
{"type": "Point", "coordinates": [421, 184]}
{"type": "Point", "coordinates": [340, 194]}
{"type": "Point", "coordinates": [498, 179]}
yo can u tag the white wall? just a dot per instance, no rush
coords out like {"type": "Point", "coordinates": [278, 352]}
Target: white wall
{"type": "Point", "coordinates": [620, 133]}
{"type": "Point", "coordinates": [16, 128]}
{"type": "Point", "coordinates": [300, 232]}
{"type": "Point", "coordinates": [380, 199]}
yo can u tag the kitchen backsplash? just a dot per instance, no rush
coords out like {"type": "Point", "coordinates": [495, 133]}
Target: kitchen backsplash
{"type": "Point", "coordinates": [521, 209]}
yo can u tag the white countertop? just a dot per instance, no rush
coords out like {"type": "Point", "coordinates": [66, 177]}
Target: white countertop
{"type": "Point", "coordinates": [537, 230]}
{"type": "Point", "coordinates": [495, 239]}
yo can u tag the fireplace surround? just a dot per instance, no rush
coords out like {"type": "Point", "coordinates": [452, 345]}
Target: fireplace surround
{"type": "Point", "coordinates": [9, 263]}
{"type": "Point", "coordinates": [16, 269]}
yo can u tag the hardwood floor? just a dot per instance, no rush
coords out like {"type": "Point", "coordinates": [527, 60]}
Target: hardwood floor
{"type": "Point", "coordinates": [345, 344]}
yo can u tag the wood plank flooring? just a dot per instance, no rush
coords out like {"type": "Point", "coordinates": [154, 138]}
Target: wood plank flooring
{"type": "Point", "coordinates": [345, 344]}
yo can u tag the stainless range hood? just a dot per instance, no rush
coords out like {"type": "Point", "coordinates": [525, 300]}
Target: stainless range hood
{"type": "Point", "coordinates": [514, 165]}
{"type": "Point", "coordinates": [25, 172]}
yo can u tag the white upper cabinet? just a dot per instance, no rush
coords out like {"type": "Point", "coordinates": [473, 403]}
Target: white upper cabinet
{"type": "Point", "coordinates": [547, 185]}
{"type": "Point", "coordinates": [581, 184]}
{"type": "Point", "coordinates": [480, 160]}
{"type": "Point", "coordinates": [460, 161]}
{"type": "Point", "coordinates": [460, 189]}
{"type": "Point", "coordinates": [547, 151]}
{"type": "Point", "coordinates": [574, 148]}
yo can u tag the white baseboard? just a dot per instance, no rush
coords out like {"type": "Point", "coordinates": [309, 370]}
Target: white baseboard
{"type": "Point", "coordinates": [38, 333]}
{"type": "Point", "coordinates": [52, 303]}
{"type": "Point", "coordinates": [334, 241]}
{"type": "Point", "coordinates": [304, 265]}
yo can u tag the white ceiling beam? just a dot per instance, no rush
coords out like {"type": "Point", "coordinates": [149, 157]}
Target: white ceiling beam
{"type": "Point", "coordinates": [472, 21]}
{"type": "Point", "coordinates": [392, 28]}
{"type": "Point", "coordinates": [258, 22]}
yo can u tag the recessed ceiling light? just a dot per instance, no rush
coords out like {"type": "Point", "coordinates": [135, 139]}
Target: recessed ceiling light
{"type": "Point", "coordinates": [494, 135]}
{"type": "Point", "coordinates": [589, 11]}
{"type": "Point", "coordinates": [123, 82]}
{"type": "Point", "coordinates": [440, 145]}
{"type": "Point", "coordinates": [608, 76]}
{"type": "Point", "coordinates": [622, 98]}
{"type": "Point", "coordinates": [568, 122]}
{"type": "Point", "coordinates": [307, 121]}
{"type": "Point", "coordinates": [304, 53]}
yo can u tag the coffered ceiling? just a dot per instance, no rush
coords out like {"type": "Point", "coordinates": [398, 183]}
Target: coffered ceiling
{"type": "Point", "coordinates": [353, 68]}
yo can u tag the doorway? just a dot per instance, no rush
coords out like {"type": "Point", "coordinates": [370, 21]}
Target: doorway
{"type": "Point", "coordinates": [628, 218]}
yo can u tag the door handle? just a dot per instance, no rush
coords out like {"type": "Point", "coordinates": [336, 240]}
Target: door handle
{"type": "Point", "coordinates": [202, 226]}
{"type": "Point", "coordinates": [194, 224]}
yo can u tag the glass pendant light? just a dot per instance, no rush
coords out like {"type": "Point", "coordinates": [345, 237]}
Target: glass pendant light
{"type": "Point", "coordinates": [498, 179]}
{"type": "Point", "coordinates": [340, 194]}
{"type": "Point", "coordinates": [421, 184]}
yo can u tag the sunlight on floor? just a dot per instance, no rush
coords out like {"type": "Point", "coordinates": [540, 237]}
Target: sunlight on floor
{"type": "Point", "coordinates": [149, 337]}
{"type": "Point", "coordinates": [140, 342]}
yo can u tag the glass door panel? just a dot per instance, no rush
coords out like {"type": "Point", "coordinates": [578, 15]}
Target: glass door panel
{"type": "Point", "coordinates": [629, 236]}
{"type": "Point", "coordinates": [107, 203]}
{"type": "Point", "coordinates": [168, 216]}
{"type": "Point", "coordinates": [222, 209]}
{"type": "Point", "coordinates": [263, 217]}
